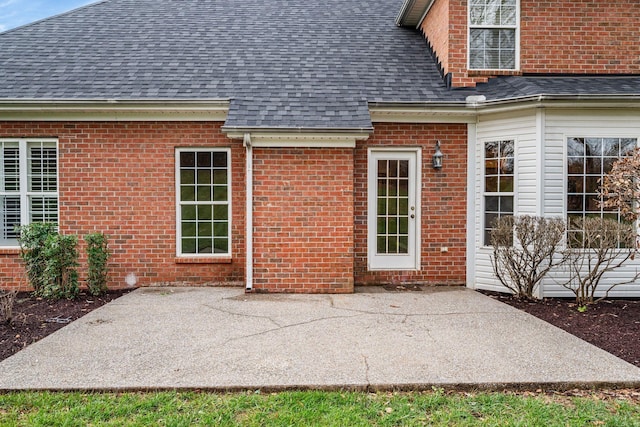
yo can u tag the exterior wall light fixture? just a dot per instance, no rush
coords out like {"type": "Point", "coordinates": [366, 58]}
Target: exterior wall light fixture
{"type": "Point", "coordinates": [437, 157]}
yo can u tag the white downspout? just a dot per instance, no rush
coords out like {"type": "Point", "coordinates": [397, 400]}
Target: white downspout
{"type": "Point", "coordinates": [249, 213]}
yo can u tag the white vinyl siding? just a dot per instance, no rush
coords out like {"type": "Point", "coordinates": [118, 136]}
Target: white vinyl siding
{"type": "Point", "coordinates": [520, 128]}
{"type": "Point", "coordinates": [29, 185]}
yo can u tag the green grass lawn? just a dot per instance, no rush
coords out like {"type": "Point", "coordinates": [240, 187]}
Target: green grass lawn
{"type": "Point", "coordinates": [313, 408]}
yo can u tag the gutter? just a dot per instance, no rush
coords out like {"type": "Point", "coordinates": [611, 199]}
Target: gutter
{"type": "Point", "coordinates": [478, 104]}
{"type": "Point", "coordinates": [249, 212]}
{"type": "Point", "coordinates": [113, 109]}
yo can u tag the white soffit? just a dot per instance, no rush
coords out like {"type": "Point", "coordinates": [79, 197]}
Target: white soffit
{"type": "Point", "coordinates": [412, 13]}
{"type": "Point", "coordinates": [296, 139]}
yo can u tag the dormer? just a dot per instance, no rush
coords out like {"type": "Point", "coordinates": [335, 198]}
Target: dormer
{"type": "Point", "coordinates": [474, 40]}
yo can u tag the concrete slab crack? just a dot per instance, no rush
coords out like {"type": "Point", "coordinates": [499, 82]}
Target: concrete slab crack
{"type": "Point", "coordinates": [283, 327]}
{"type": "Point", "coordinates": [233, 313]}
{"type": "Point", "coordinates": [366, 371]}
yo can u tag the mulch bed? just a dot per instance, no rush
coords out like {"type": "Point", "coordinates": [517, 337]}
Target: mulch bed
{"type": "Point", "coordinates": [35, 318]}
{"type": "Point", "coordinates": [613, 324]}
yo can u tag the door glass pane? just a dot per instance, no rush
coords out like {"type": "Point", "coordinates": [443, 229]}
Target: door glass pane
{"type": "Point", "coordinates": [392, 207]}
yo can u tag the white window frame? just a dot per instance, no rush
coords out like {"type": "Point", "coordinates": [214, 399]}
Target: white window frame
{"type": "Point", "coordinates": [178, 202]}
{"type": "Point", "coordinates": [24, 193]}
{"type": "Point", "coordinates": [515, 27]}
{"type": "Point", "coordinates": [577, 135]}
{"type": "Point", "coordinates": [486, 193]}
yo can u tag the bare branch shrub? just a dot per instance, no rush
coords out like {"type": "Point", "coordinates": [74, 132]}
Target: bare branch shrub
{"type": "Point", "coordinates": [525, 248]}
{"type": "Point", "coordinates": [603, 245]}
{"type": "Point", "coordinates": [620, 188]}
{"type": "Point", "coordinates": [7, 298]}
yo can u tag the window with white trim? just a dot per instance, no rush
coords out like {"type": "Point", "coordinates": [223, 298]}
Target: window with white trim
{"type": "Point", "coordinates": [498, 183]}
{"type": "Point", "coordinates": [493, 34]}
{"type": "Point", "coordinates": [29, 186]}
{"type": "Point", "coordinates": [203, 178]}
{"type": "Point", "coordinates": [588, 161]}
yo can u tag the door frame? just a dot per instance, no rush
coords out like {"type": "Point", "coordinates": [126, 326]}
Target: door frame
{"type": "Point", "coordinates": [373, 154]}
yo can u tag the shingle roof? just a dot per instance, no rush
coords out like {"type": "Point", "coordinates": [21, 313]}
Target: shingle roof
{"type": "Point", "coordinates": [516, 87]}
{"type": "Point", "coordinates": [283, 63]}
{"type": "Point", "coordinates": [264, 54]}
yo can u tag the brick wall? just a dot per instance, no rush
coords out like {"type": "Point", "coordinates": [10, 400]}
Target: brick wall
{"type": "Point", "coordinates": [557, 37]}
{"type": "Point", "coordinates": [443, 210]}
{"type": "Point", "coordinates": [587, 36]}
{"type": "Point", "coordinates": [119, 179]}
{"type": "Point", "coordinates": [435, 28]}
{"type": "Point", "coordinates": [445, 28]}
{"type": "Point", "coordinates": [303, 220]}
{"type": "Point", "coordinates": [310, 205]}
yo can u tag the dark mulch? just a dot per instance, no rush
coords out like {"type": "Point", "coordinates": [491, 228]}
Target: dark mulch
{"type": "Point", "coordinates": [35, 318]}
{"type": "Point", "coordinates": [613, 325]}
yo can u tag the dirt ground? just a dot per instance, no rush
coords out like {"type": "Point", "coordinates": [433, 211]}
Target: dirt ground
{"type": "Point", "coordinates": [613, 325]}
{"type": "Point", "coordinates": [35, 318]}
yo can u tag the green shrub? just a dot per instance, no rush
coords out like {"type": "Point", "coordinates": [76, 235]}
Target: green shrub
{"type": "Point", "coordinates": [50, 259]}
{"type": "Point", "coordinates": [97, 259]}
{"type": "Point", "coordinates": [32, 241]}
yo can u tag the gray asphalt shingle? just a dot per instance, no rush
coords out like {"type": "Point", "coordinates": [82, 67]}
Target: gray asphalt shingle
{"type": "Point", "coordinates": [283, 63]}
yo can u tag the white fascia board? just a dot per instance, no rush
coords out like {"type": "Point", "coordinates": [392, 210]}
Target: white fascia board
{"type": "Point", "coordinates": [296, 139]}
{"type": "Point", "coordinates": [421, 113]}
{"type": "Point", "coordinates": [557, 101]}
{"type": "Point", "coordinates": [548, 102]}
{"type": "Point", "coordinates": [113, 110]}
{"type": "Point", "coordinates": [413, 12]}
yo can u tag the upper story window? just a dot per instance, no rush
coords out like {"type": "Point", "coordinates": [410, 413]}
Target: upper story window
{"type": "Point", "coordinates": [493, 34]}
{"type": "Point", "coordinates": [204, 215]}
{"type": "Point", "coordinates": [28, 185]}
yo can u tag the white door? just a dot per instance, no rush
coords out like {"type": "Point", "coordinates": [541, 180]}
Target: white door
{"type": "Point", "coordinates": [394, 211]}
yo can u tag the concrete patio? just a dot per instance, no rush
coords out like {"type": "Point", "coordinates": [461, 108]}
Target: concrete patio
{"type": "Point", "coordinates": [224, 339]}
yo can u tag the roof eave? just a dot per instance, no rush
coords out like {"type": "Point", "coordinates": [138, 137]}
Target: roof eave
{"type": "Point", "coordinates": [113, 109]}
{"type": "Point", "coordinates": [412, 13]}
{"type": "Point", "coordinates": [582, 101]}
{"type": "Point", "coordinates": [298, 137]}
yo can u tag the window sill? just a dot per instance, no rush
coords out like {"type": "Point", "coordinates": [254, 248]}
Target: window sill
{"type": "Point", "coordinates": [491, 73]}
{"type": "Point", "coordinates": [9, 251]}
{"type": "Point", "coordinates": [208, 260]}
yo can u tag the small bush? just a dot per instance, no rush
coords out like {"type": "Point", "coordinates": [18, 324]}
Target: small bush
{"type": "Point", "coordinates": [97, 259]}
{"type": "Point", "coordinates": [525, 249]}
{"type": "Point", "coordinates": [7, 298]}
{"type": "Point", "coordinates": [50, 259]}
{"type": "Point", "coordinates": [601, 246]}
{"type": "Point", "coordinates": [33, 239]}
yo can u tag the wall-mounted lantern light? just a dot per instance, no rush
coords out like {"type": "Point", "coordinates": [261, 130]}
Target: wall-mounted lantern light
{"type": "Point", "coordinates": [437, 157]}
